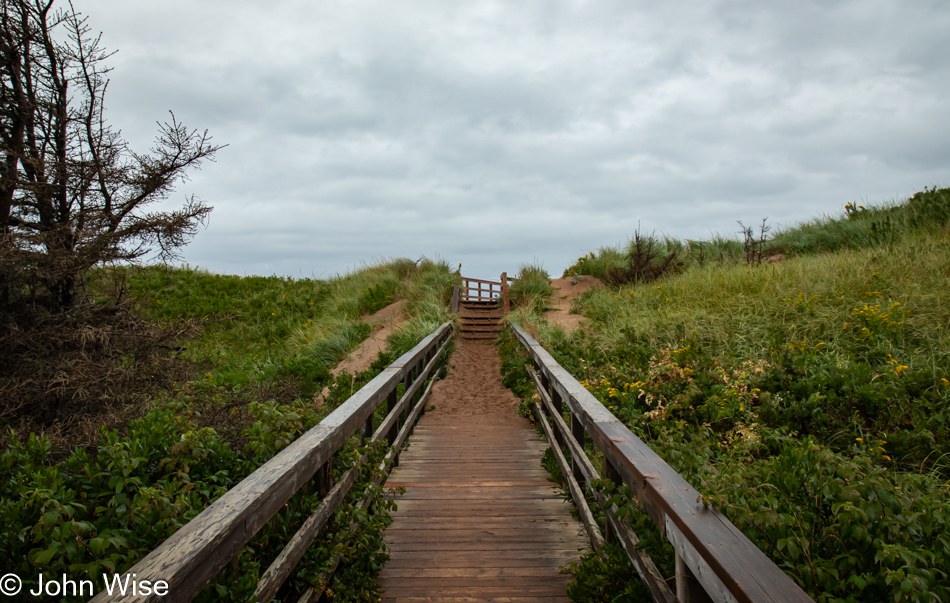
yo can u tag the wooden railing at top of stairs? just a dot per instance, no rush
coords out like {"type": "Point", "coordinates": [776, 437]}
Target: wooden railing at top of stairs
{"type": "Point", "coordinates": [714, 560]}
{"type": "Point", "coordinates": [481, 305]}
{"type": "Point", "coordinates": [479, 290]}
{"type": "Point", "coordinates": [193, 555]}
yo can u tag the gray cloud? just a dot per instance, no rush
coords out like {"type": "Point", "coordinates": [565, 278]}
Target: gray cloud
{"type": "Point", "coordinates": [494, 133]}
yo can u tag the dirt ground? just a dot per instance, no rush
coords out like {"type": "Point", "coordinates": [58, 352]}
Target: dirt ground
{"type": "Point", "coordinates": [565, 290]}
{"type": "Point", "coordinates": [384, 322]}
{"type": "Point", "coordinates": [473, 388]}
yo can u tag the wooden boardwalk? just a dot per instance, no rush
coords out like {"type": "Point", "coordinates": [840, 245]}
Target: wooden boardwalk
{"type": "Point", "coordinates": [479, 520]}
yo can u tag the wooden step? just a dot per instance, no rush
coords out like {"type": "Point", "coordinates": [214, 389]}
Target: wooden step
{"type": "Point", "coordinates": [492, 320]}
{"type": "Point", "coordinates": [482, 328]}
{"type": "Point", "coordinates": [475, 305]}
{"type": "Point", "coordinates": [482, 314]}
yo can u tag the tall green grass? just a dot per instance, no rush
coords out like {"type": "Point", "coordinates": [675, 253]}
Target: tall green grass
{"type": "Point", "coordinates": [256, 329]}
{"type": "Point", "coordinates": [857, 227]}
{"type": "Point", "coordinates": [531, 289]}
{"type": "Point", "coordinates": [808, 400]}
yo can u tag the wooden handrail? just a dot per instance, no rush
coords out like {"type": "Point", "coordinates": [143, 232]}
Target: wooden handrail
{"type": "Point", "coordinates": [195, 554]}
{"type": "Point", "coordinates": [495, 290]}
{"type": "Point", "coordinates": [711, 552]}
{"type": "Point", "coordinates": [479, 280]}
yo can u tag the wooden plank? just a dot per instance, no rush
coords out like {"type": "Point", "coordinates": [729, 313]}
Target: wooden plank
{"type": "Point", "coordinates": [451, 508]}
{"type": "Point", "coordinates": [512, 530]}
{"type": "Point", "coordinates": [468, 279]}
{"type": "Point", "coordinates": [549, 589]}
{"type": "Point", "coordinates": [484, 544]}
{"type": "Point", "coordinates": [477, 600]}
{"type": "Point", "coordinates": [467, 485]}
{"type": "Point", "coordinates": [480, 559]}
{"type": "Point", "coordinates": [440, 523]}
{"type": "Point", "coordinates": [518, 578]}
{"type": "Point", "coordinates": [468, 493]}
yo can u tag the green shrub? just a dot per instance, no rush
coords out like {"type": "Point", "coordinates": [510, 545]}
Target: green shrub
{"type": "Point", "coordinates": [95, 510]}
{"type": "Point", "coordinates": [532, 289]}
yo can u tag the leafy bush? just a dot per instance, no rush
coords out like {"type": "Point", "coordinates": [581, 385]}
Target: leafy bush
{"type": "Point", "coordinates": [84, 511]}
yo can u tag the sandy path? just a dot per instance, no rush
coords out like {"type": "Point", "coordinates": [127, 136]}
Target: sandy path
{"type": "Point", "coordinates": [473, 388]}
{"type": "Point", "coordinates": [384, 322]}
{"type": "Point", "coordinates": [564, 293]}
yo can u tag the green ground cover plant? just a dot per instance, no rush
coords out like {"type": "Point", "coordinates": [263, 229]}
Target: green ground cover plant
{"type": "Point", "coordinates": [807, 400]}
{"type": "Point", "coordinates": [259, 354]}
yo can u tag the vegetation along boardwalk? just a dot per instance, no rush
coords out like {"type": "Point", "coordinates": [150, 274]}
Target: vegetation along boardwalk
{"type": "Point", "coordinates": [478, 520]}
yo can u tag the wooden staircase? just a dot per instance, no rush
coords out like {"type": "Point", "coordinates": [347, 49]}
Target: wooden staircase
{"type": "Point", "coordinates": [481, 305]}
{"type": "Point", "coordinates": [481, 319]}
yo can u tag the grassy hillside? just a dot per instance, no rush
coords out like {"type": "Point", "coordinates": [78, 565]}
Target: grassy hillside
{"type": "Point", "coordinates": [807, 399]}
{"type": "Point", "coordinates": [256, 330]}
{"type": "Point", "coordinates": [258, 349]}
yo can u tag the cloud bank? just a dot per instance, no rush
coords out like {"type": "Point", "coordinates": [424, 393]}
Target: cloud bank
{"type": "Point", "coordinates": [498, 133]}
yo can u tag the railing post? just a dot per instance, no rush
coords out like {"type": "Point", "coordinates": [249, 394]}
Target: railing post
{"type": "Point", "coordinates": [688, 589]}
{"type": "Point", "coordinates": [577, 430]}
{"type": "Point", "coordinates": [324, 477]}
{"type": "Point", "coordinates": [559, 407]}
{"type": "Point", "coordinates": [415, 373]}
{"type": "Point", "coordinates": [611, 473]}
{"type": "Point", "coordinates": [391, 403]}
{"type": "Point", "coordinates": [504, 291]}
{"type": "Point", "coordinates": [368, 428]}
{"type": "Point", "coordinates": [455, 299]}
{"type": "Point", "coordinates": [425, 362]}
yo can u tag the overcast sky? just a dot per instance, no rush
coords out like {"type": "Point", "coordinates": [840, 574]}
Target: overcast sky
{"type": "Point", "coordinates": [499, 133]}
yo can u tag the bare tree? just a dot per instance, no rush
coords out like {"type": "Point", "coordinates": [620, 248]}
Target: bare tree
{"type": "Point", "coordinates": [72, 194]}
{"type": "Point", "coordinates": [755, 250]}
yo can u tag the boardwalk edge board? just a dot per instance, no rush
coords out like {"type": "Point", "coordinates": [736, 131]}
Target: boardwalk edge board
{"type": "Point", "coordinates": [715, 560]}
{"type": "Point", "coordinates": [194, 554]}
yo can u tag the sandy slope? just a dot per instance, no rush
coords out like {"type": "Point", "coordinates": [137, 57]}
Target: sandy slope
{"type": "Point", "coordinates": [564, 293]}
{"type": "Point", "coordinates": [384, 322]}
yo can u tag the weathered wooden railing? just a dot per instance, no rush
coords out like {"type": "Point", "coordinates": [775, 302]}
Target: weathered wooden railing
{"type": "Point", "coordinates": [195, 554]}
{"type": "Point", "coordinates": [478, 290]}
{"type": "Point", "coordinates": [714, 560]}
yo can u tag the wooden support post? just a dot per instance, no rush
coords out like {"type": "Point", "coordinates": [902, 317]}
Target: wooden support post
{"type": "Point", "coordinates": [411, 376]}
{"type": "Point", "coordinates": [391, 402]}
{"type": "Point", "coordinates": [367, 433]}
{"type": "Point", "coordinates": [455, 299]}
{"type": "Point", "coordinates": [577, 430]}
{"type": "Point", "coordinates": [428, 358]}
{"type": "Point", "coordinates": [559, 407]}
{"type": "Point", "coordinates": [613, 475]}
{"type": "Point", "coordinates": [688, 589]}
{"type": "Point", "coordinates": [324, 477]}
{"type": "Point", "coordinates": [504, 291]}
